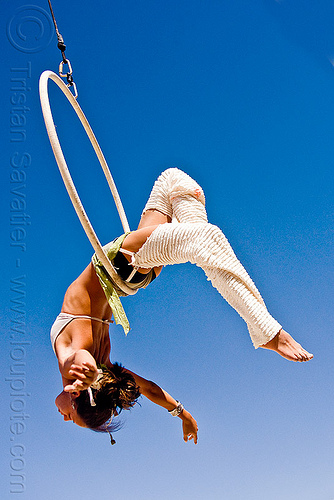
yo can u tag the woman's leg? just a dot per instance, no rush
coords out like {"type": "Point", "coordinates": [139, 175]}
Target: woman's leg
{"type": "Point", "coordinates": [205, 245]}
{"type": "Point", "coordinates": [176, 195]}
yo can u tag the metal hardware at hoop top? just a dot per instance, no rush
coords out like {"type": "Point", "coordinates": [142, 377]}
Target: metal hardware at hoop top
{"type": "Point", "coordinates": [68, 76]}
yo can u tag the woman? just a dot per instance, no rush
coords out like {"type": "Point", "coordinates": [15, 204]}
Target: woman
{"type": "Point", "coordinates": [173, 229]}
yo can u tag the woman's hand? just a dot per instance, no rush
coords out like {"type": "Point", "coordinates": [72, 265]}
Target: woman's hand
{"type": "Point", "coordinates": [160, 397]}
{"type": "Point", "coordinates": [84, 376]}
{"type": "Point", "coordinates": [189, 426]}
{"type": "Point", "coordinates": [81, 368]}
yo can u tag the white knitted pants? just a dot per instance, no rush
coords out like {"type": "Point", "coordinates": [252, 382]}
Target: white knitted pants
{"type": "Point", "coordinates": [193, 239]}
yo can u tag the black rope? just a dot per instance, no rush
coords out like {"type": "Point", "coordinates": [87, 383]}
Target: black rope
{"type": "Point", "coordinates": [61, 45]}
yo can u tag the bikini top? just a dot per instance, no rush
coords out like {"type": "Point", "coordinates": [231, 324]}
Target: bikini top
{"type": "Point", "coordinates": [63, 319]}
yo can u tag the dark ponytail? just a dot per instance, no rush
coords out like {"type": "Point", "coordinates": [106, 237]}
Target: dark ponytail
{"type": "Point", "coordinates": [118, 392]}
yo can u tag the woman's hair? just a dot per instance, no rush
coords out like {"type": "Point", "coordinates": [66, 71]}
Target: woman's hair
{"type": "Point", "coordinates": [118, 392]}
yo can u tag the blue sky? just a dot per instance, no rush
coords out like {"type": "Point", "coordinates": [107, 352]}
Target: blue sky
{"type": "Point", "coordinates": [240, 95]}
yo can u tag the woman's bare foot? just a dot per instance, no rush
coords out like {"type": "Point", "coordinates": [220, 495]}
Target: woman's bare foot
{"type": "Point", "coordinates": [287, 347]}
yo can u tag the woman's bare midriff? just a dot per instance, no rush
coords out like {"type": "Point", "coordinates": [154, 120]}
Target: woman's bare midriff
{"type": "Point", "coordinates": [85, 296]}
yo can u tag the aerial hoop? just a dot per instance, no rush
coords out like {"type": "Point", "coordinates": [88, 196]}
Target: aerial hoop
{"type": "Point", "coordinates": [61, 162]}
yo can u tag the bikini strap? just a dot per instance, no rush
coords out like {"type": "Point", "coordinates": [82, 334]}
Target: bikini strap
{"type": "Point", "coordinates": [75, 316]}
{"type": "Point", "coordinates": [127, 252]}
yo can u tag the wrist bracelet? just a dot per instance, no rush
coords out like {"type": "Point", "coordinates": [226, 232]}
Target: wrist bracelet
{"type": "Point", "coordinates": [177, 410]}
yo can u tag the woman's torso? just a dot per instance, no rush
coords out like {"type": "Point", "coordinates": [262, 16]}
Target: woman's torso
{"type": "Point", "coordinates": [85, 297]}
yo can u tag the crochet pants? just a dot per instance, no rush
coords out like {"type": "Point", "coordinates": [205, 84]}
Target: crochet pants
{"type": "Point", "coordinates": [193, 239]}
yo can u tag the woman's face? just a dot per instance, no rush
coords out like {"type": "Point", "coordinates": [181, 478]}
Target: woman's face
{"type": "Point", "coordinates": [65, 404]}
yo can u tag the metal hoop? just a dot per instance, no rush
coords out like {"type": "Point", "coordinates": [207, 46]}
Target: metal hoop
{"type": "Point", "coordinates": [61, 162]}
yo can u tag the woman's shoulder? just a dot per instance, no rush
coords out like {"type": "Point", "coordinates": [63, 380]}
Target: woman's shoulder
{"type": "Point", "coordinates": [75, 336]}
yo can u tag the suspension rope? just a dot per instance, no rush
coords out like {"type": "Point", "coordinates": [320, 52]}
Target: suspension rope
{"type": "Point", "coordinates": [62, 47]}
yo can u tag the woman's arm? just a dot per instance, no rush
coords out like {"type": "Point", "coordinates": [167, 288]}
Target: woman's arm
{"type": "Point", "coordinates": [160, 397]}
